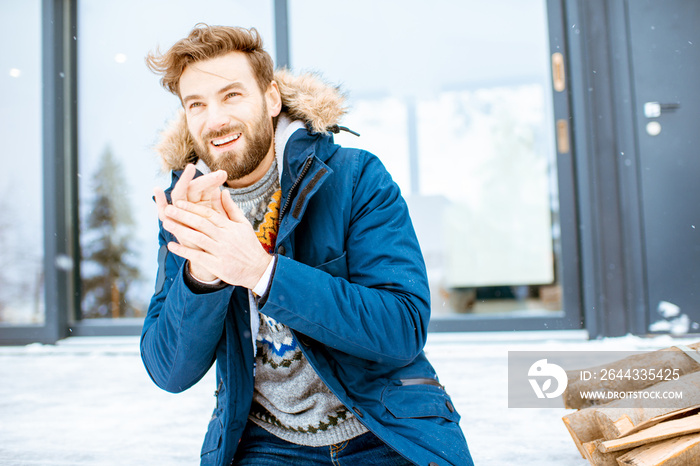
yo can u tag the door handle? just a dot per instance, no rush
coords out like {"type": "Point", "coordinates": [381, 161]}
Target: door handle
{"type": "Point", "coordinates": [654, 109]}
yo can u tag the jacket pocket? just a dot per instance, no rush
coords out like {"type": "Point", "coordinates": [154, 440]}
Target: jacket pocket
{"type": "Point", "coordinates": [212, 441]}
{"type": "Point", "coordinates": [337, 267]}
{"type": "Point", "coordinates": [419, 398]}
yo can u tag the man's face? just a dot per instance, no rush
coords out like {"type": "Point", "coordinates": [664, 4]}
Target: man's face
{"type": "Point", "coordinates": [228, 116]}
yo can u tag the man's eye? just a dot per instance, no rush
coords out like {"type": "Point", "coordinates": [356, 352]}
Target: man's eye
{"type": "Point", "coordinates": [232, 94]}
{"type": "Point", "coordinates": [195, 104]}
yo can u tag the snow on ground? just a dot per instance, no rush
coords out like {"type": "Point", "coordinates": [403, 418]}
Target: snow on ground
{"type": "Point", "coordinates": [89, 401]}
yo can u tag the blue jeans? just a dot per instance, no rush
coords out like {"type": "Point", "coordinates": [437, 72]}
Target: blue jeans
{"type": "Point", "coordinates": [261, 448]}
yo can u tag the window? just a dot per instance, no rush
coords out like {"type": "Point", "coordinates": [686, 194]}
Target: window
{"type": "Point", "coordinates": [456, 101]}
{"type": "Point", "coordinates": [21, 193]}
{"type": "Point", "coordinates": [122, 108]}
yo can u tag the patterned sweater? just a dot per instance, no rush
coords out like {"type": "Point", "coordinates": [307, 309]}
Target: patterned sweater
{"type": "Point", "coordinates": [290, 400]}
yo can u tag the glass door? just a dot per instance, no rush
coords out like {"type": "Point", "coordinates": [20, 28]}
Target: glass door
{"type": "Point", "coordinates": [457, 101]}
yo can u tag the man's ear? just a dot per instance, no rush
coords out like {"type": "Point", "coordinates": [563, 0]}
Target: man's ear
{"type": "Point", "coordinates": [273, 99]}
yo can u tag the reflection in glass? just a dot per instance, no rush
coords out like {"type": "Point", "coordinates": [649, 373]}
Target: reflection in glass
{"type": "Point", "coordinates": [109, 258]}
{"type": "Point", "coordinates": [497, 218]}
{"type": "Point", "coordinates": [21, 222]}
{"type": "Point", "coordinates": [456, 101]}
{"type": "Point", "coordinates": [122, 108]}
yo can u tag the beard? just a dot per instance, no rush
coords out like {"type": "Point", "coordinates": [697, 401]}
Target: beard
{"type": "Point", "coordinates": [239, 162]}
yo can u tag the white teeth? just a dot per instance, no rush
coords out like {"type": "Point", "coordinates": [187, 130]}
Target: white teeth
{"type": "Point", "coordinates": [226, 140]}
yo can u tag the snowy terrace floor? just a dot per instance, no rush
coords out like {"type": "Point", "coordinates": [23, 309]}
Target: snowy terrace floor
{"type": "Point", "coordinates": [89, 401]}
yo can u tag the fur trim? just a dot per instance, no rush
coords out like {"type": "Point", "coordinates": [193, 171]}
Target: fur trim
{"type": "Point", "coordinates": [308, 98]}
{"type": "Point", "coordinates": [176, 146]}
{"type": "Point", "coordinates": [305, 97]}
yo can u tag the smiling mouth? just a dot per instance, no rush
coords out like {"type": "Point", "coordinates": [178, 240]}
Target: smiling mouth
{"type": "Point", "coordinates": [225, 140]}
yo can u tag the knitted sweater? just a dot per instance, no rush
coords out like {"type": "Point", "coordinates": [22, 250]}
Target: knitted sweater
{"type": "Point", "coordinates": [290, 400]}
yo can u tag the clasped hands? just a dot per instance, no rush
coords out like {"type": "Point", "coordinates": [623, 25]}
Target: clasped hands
{"type": "Point", "coordinates": [211, 230]}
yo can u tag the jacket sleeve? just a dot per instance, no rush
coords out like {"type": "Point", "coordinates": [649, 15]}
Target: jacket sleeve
{"type": "Point", "coordinates": [182, 328]}
{"type": "Point", "coordinates": [373, 301]}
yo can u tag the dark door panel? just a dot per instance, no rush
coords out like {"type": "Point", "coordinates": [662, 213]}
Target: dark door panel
{"type": "Point", "coordinates": [665, 41]}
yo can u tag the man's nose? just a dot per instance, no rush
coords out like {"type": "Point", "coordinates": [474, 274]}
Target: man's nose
{"type": "Point", "coordinates": [217, 118]}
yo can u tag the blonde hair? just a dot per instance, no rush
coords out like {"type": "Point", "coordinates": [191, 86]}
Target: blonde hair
{"type": "Point", "coordinates": [205, 42]}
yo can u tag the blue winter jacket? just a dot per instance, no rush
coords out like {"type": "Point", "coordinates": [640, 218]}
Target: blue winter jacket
{"type": "Point", "coordinates": [350, 282]}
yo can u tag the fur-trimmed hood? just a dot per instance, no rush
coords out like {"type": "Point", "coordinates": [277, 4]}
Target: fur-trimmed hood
{"type": "Point", "coordinates": [305, 97]}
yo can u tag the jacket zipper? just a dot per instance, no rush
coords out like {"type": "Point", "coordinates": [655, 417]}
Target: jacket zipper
{"type": "Point", "coordinates": [421, 381]}
{"type": "Point", "coordinates": [216, 393]}
{"type": "Point", "coordinates": [296, 184]}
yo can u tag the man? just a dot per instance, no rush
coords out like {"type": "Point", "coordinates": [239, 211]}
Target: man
{"type": "Point", "coordinates": [293, 264]}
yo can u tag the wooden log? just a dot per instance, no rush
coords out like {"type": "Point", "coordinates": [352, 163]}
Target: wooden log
{"type": "Point", "coordinates": [679, 413]}
{"type": "Point", "coordinates": [598, 458]}
{"type": "Point", "coordinates": [583, 427]}
{"type": "Point", "coordinates": [678, 451]}
{"type": "Point", "coordinates": [620, 417]}
{"type": "Point", "coordinates": [666, 359]}
{"type": "Point", "coordinates": [662, 431]}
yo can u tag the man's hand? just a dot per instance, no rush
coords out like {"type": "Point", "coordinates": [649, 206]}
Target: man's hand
{"type": "Point", "coordinates": [225, 246]}
{"type": "Point", "coordinates": [204, 191]}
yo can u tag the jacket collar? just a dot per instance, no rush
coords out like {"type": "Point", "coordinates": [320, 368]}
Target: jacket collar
{"type": "Point", "coordinates": [294, 146]}
{"type": "Point", "coordinates": [284, 130]}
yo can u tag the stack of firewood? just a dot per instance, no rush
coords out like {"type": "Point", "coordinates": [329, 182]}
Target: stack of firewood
{"type": "Point", "coordinates": [628, 431]}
